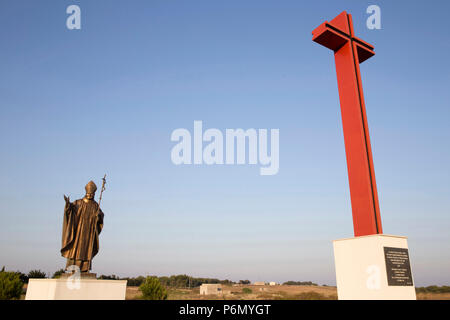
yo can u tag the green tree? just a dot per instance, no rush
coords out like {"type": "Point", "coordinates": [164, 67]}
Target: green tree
{"type": "Point", "coordinates": [36, 274]}
{"type": "Point", "coordinates": [111, 277]}
{"type": "Point", "coordinates": [246, 290]}
{"type": "Point", "coordinates": [135, 282]}
{"type": "Point", "coordinates": [152, 289]}
{"type": "Point", "coordinates": [10, 285]}
{"type": "Point", "coordinates": [226, 282]}
{"type": "Point", "coordinates": [299, 283]}
{"type": "Point", "coordinates": [23, 277]}
{"type": "Point", "coordinates": [165, 281]}
{"type": "Point", "coordinates": [433, 289]}
{"type": "Point", "coordinates": [58, 273]}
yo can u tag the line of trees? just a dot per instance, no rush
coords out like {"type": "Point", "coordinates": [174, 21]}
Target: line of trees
{"type": "Point", "coordinates": [299, 283]}
{"type": "Point", "coordinates": [178, 281]}
{"type": "Point", "coordinates": [11, 286]}
{"type": "Point", "coordinates": [185, 281]}
{"type": "Point", "coordinates": [433, 289]}
{"type": "Point", "coordinates": [36, 274]}
{"type": "Point", "coordinates": [244, 282]}
{"type": "Point", "coordinates": [25, 276]}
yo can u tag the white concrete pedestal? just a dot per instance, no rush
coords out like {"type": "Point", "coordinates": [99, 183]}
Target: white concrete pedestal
{"type": "Point", "coordinates": [374, 267]}
{"type": "Point", "coordinates": [73, 289]}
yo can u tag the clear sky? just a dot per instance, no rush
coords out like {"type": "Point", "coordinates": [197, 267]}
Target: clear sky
{"type": "Point", "coordinates": [76, 104]}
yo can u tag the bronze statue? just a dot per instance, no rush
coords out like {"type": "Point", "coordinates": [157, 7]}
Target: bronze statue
{"type": "Point", "coordinates": [83, 222]}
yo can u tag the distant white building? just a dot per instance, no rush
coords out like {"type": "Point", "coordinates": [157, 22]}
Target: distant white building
{"type": "Point", "coordinates": [259, 283]}
{"type": "Point", "coordinates": [211, 288]}
{"type": "Point", "coordinates": [272, 283]}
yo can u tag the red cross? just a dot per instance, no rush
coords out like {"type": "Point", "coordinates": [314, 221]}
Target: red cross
{"type": "Point", "coordinates": [349, 51]}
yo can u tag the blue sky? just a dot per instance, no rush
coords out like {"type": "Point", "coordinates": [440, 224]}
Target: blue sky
{"type": "Point", "coordinates": [76, 104]}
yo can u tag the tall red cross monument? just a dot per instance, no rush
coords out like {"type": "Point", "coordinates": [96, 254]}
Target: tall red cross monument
{"type": "Point", "coordinates": [349, 51]}
{"type": "Point", "coordinates": [372, 265]}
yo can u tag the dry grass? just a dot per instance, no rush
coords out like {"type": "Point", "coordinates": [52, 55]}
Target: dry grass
{"type": "Point", "coordinates": [258, 293]}
{"type": "Point", "coordinates": [279, 292]}
{"type": "Point", "coordinates": [433, 296]}
{"type": "Point", "coordinates": [133, 293]}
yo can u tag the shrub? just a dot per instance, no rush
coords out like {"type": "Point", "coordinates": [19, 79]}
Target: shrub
{"type": "Point", "coordinates": [246, 290]}
{"type": "Point", "coordinates": [299, 283]}
{"type": "Point", "coordinates": [111, 277]}
{"type": "Point", "coordinates": [152, 289]}
{"type": "Point", "coordinates": [37, 274]}
{"type": "Point", "coordinates": [433, 289]}
{"type": "Point", "coordinates": [10, 285]}
{"type": "Point", "coordinates": [58, 273]}
{"type": "Point", "coordinates": [23, 277]}
{"type": "Point", "coordinates": [135, 282]}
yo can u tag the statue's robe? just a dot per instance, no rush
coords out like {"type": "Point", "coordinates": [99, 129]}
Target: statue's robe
{"type": "Point", "coordinates": [81, 228]}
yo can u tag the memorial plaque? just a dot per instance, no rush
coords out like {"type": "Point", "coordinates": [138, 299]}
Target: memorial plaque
{"type": "Point", "coordinates": [397, 266]}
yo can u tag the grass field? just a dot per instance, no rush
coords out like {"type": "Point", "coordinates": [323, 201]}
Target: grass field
{"type": "Point", "coordinates": [279, 292]}
{"type": "Point", "coordinates": [258, 293]}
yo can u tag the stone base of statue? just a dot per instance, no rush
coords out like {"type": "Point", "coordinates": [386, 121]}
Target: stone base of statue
{"type": "Point", "coordinates": [72, 288]}
{"type": "Point", "coordinates": [83, 275]}
{"type": "Point", "coordinates": [374, 267]}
